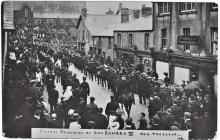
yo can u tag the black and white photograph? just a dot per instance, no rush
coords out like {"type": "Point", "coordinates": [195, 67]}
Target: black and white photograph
{"type": "Point", "coordinates": [109, 69]}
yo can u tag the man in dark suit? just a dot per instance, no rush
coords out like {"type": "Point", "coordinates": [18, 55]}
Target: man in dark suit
{"type": "Point", "coordinates": [100, 120]}
{"type": "Point", "coordinates": [92, 108]}
{"type": "Point", "coordinates": [112, 106]}
{"type": "Point", "coordinates": [53, 96]}
{"type": "Point", "coordinates": [50, 77]}
{"type": "Point", "coordinates": [84, 86]}
{"type": "Point", "coordinates": [169, 119]}
{"type": "Point", "coordinates": [54, 123]}
{"type": "Point", "coordinates": [177, 110]}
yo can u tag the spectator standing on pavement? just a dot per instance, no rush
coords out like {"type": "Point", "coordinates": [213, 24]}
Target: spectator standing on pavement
{"type": "Point", "coordinates": [129, 124]}
{"type": "Point", "coordinates": [101, 120]}
{"type": "Point", "coordinates": [112, 106]}
{"type": "Point", "coordinates": [119, 119]}
{"type": "Point", "coordinates": [143, 122]}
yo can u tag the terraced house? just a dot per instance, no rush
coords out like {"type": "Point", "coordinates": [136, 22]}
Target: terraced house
{"type": "Point", "coordinates": [185, 41]}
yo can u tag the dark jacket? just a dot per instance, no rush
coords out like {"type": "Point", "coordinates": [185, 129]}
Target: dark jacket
{"type": "Point", "coordinates": [85, 88]}
{"type": "Point", "coordinates": [101, 122]}
{"type": "Point", "coordinates": [111, 106]}
{"type": "Point", "coordinates": [54, 124]}
{"type": "Point", "coordinates": [121, 123]}
{"type": "Point", "coordinates": [53, 96]}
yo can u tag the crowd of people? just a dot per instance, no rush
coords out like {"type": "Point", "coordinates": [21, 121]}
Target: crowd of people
{"type": "Point", "coordinates": [30, 70]}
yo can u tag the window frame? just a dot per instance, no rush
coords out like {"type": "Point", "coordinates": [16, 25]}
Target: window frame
{"type": "Point", "coordinates": [146, 41]}
{"type": "Point", "coordinates": [130, 39]}
{"type": "Point", "coordinates": [214, 41]}
{"type": "Point", "coordinates": [187, 10]}
{"type": "Point", "coordinates": [163, 38]}
{"type": "Point", "coordinates": [186, 32]}
{"type": "Point", "coordinates": [164, 8]}
{"type": "Point", "coordinates": [119, 39]}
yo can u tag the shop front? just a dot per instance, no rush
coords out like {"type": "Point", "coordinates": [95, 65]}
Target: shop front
{"type": "Point", "coordinates": [182, 67]}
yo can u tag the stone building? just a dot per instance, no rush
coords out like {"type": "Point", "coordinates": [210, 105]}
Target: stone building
{"type": "Point", "coordinates": [95, 33]}
{"type": "Point", "coordinates": [185, 41]}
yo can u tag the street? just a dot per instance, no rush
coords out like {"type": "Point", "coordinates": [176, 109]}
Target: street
{"type": "Point", "coordinates": [102, 97]}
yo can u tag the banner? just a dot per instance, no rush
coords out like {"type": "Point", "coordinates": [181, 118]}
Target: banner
{"type": "Point", "coordinates": [109, 134]}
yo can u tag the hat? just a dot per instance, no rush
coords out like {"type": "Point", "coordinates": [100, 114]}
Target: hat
{"type": "Point", "coordinates": [71, 112]}
{"type": "Point", "coordinates": [169, 111]}
{"type": "Point", "coordinates": [100, 110]}
{"type": "Point", "coordinates": [119, 112]}
{"type": "Point", "coordinates": [187, 114]}
{"type": "Point", "coordinates": [84, 77]}
{"type": "Point", "coordinates": [165, 73]}
{"type": "Point", "coordinates": [128, 120]}
{"type": "Point", "coordinates": [75, 116]}
{"type": "Point", "coordinates": [54, 116]}
{"type": "Point", "coordinates": [92, 98]}
{"type": "Point", "coordinates": [123, 77]}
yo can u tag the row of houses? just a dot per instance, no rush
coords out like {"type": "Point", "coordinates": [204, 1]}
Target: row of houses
{"type": "Point", "coordinates": [178, 38]}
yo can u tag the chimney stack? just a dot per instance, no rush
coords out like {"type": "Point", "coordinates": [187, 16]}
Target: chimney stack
{"type": "Point", "coordinates": [84, 12]}
{"type": "Point", "coordinates": [119, 6]}
{"type": "Point", "coordinates": [146, 11]}
{"type": "Point", "coordinates": [124, 15]}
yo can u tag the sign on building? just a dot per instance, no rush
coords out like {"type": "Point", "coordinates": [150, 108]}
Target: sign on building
{"type": "Point", "coordinates": [188, 40]}
{"type": "Point", "coordinates": [8, 15]}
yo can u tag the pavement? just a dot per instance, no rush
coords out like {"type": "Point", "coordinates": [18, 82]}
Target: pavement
{"type": "Point", "coordinates": [102, 97]}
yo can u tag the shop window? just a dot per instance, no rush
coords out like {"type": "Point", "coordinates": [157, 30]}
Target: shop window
{"type": "Point", "coordinates": [214, 41]}
{"type": "Point", "coordinates": [119, 39]}
{"type": "Point", "coordinates": [186, 32]}
{"type": "Point", "coordinates": [146, 41]}
{"type": "Point", "coordinates": [187, 7]}
{"type": "Point", "coordinates": [163, 38]}
{"type": "Point", "coordinates": [164, 8]}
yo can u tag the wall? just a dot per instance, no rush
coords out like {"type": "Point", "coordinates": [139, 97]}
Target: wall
{"type": "Point", "coordinates": [109, 50]}
{"type": "Point", "coordinates": [87, 36]}
{"type": "Point", "coordinates": [199, 24]}
{"type": "Point", "coordinates": [138, 39]}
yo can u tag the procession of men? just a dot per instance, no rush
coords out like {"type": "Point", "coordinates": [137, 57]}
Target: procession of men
{"type": "Point", "coordinates": [53, 87]}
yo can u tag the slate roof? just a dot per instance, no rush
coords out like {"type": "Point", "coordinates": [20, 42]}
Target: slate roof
{"type": "Point", "coordinates": [99, 23]}
{"type": "Point", "coordinates": [143, 23]}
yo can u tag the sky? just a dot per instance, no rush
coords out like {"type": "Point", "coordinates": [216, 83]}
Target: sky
{"type": "Point", "coordinates": [100, 7]}
{"type": "Point", "coordinates": [93, 7]}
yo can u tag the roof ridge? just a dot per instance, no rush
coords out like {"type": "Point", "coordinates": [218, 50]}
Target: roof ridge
{"type": "Point", "coordinates": [102, 15]}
